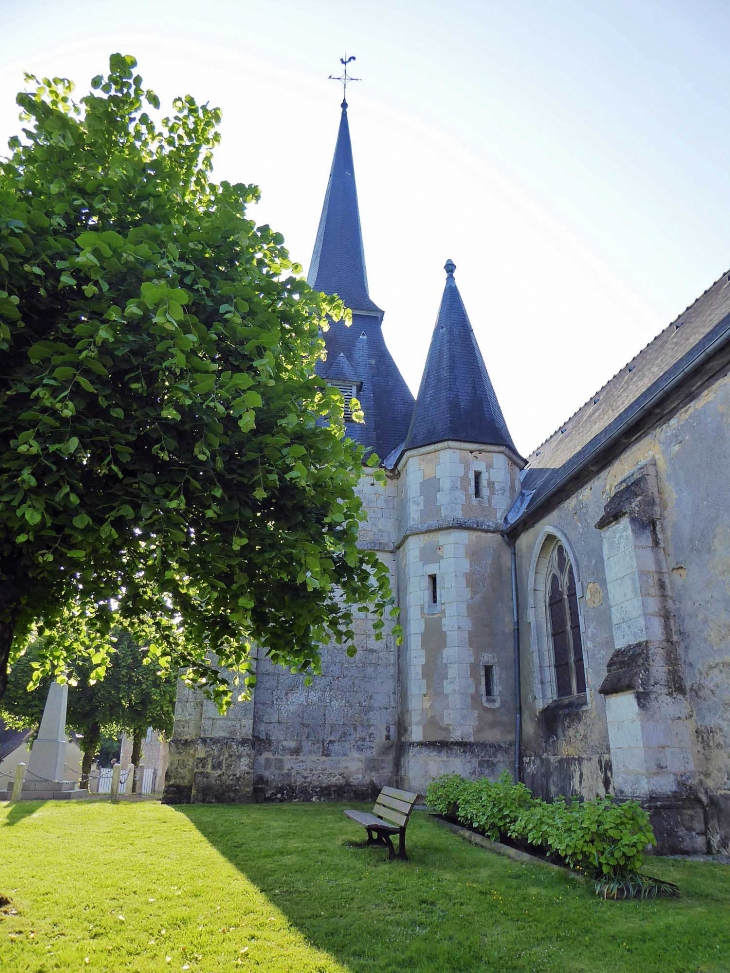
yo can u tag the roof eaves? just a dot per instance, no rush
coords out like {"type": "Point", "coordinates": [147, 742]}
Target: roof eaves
{"type": "Point", "coordinates": [629, 365]}
{"type": "Point", "coordinates": [590, 455]}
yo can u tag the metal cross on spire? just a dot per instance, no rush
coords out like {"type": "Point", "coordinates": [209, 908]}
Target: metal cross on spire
{"type": "Point", "coordinates": [344, 78]}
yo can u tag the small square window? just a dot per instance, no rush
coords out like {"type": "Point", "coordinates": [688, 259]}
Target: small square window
{"type": "Point", "coordinates": [478, 485]}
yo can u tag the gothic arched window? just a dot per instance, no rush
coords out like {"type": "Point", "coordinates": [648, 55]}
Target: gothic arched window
{"type": "Point", "coordinates": [564, 624]}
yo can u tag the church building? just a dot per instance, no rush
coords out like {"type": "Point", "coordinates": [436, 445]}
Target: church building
{"type": "Point", "coordinates": [566, 616]}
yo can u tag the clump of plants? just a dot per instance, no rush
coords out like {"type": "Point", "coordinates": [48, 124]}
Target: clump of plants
{"type": "Point", "coordinates": [604, 838]}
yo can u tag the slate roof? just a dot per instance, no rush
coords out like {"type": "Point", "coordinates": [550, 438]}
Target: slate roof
{"type": "Point", "coordinates": [10, 740]}
{"type": "Point", "coordinates": [357, 353]}
{"type": "Point", "coordinates": [456, 399]}
{"type": "Point", "coordinates": [338, 261]}
{"type": "Point", "coordinates": [664, 366]}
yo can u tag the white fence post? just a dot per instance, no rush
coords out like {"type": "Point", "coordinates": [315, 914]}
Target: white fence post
{"type": "Point", "coordinates": [129, 782]}
{"type": "Point", "coordinates": [18, 782]}
{"type": "Point", "coordinates": [116, 771]}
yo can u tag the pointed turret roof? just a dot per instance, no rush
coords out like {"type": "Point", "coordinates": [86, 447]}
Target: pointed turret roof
{"type": "Point", "coordinates": [338, 261]}
{"type": "Point", "coordinates": [456, 399]}
{"type": "Point", "coordinates": [356, 354]}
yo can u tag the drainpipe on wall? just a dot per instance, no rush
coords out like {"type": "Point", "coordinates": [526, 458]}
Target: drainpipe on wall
{"type": "Point", "coordinates": [516, 648]}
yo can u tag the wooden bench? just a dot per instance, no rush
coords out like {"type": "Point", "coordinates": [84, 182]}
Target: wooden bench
{"type": "Point", "coordinates": [390, 816]}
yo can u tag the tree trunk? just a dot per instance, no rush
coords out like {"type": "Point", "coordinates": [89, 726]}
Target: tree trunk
{"type": "Point", "coordinates": [91, 745]}
{"type": "Point", "coordinates": [13, 584]}
{"type": "Point", "coordinates": [6, 643]}
{"type": "Point", "coordinates": [137, 739]}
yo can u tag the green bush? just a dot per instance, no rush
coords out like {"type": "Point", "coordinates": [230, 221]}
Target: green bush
{"type": "Point", "coordinates": [492, 807]}
{"type": "Point", "coordinates": [444, 793]}
{"type": "Point", "coordinates": [603, 838]}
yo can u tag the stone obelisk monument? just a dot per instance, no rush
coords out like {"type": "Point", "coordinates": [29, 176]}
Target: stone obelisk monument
{"type": "Point", "coordinates": [45, 778]}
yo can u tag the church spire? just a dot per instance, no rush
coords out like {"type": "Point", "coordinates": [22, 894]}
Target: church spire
{"type": "Point", "coordinates": [456, 399]}
{"type": "Point", "coordinates": [338, 261]}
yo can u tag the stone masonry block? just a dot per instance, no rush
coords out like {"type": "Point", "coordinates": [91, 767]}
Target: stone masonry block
{"type": "Point", "coordinates": [626, 633]}
{"type": "Point", "coordinates": [625, 759]}
{"type": "Point", "coordinates": [617, 538]}
{"type": "Point", "coordinates": [624, 589]}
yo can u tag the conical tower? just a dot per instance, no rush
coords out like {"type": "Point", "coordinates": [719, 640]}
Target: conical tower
{"type": "Point", "coordinates": [358, 361]}
{"type": "Point", "coordinates": [459, 474]}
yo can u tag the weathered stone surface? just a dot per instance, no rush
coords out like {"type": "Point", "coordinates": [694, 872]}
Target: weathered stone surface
{"type": "Point", "coordinates": [653, 598]}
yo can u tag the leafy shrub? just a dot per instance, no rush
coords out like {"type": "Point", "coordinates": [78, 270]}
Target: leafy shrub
{"type": "Point", "coordinates": [492, 807]}
{"type": "Point", "coordinates": [603, 838]}
{"type": "Point", "coordinates": [443, 794]}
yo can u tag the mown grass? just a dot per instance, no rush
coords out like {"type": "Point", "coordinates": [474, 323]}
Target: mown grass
{"type": "Point", "coordinates": [277, 888]}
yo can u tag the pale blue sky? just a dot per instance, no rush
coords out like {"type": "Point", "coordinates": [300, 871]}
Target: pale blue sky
{"type": "Point", "coordinates": [570, 157]}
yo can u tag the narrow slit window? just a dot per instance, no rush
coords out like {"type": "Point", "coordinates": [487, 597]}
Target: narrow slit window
{"type": "Point", "coordinates": [489, 682]}
{"type": "Point", "coordinates": [478, 485]}
{"type": "Point", "coordinates": [433, 589]}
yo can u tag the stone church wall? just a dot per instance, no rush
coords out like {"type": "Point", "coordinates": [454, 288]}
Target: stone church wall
{"type": "Point", "coordinates": [334, 739]}
{"type": "Point", "coordinates": [650, 540]}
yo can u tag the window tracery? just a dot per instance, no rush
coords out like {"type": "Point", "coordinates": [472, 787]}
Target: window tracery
{"type": "Point", "coordinates": [564, 625]}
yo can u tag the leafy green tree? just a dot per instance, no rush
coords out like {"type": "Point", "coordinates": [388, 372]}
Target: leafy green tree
{"type": "Point", "coordinates": [133, 696]}
{"type": "Point", "coordinates": [147, 692]}
{"type": "Point", "coordinates": [168, 460]}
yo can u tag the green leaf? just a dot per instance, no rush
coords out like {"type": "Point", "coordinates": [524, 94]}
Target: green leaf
{"type": "Point", "coordinates": [77, 554]}
{"type": "Point", "coordinates": [242, 380]}
{"type": "Point", "coordinates": [205, 383]}
{"type": "Point", "coordinates": [41, 349]}
{"type": "Point", "coordinates": [81, 520]}
{"type": "Point", "coordinates": [90, 241]}
{"type": "Point", "coordinates": [113, 239]}
{"type": "Point", "coordinates": [252, 399]}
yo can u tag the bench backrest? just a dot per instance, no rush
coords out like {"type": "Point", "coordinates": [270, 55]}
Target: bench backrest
{"type": "Point", "coordinates": [394, 806]}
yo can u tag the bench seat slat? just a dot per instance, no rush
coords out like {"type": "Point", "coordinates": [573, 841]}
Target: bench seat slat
{"type": "Point", "coordinates": [370, 821]}
{"type": "Point", "coordinates": [403, 806]}
{"type": "Point", "coordinates": [407, 796]}
{"type": "Point", "coordinates": [390, 815]}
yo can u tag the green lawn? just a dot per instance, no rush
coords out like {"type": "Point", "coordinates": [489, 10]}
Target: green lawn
{"type": "Point", "coordinates": [284, 888]}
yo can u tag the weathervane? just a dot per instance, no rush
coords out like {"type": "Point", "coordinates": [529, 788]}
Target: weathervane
{"type": "Point", "coordinates": [344, 78]}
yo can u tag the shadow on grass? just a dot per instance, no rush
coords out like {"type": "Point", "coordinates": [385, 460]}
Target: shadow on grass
{"type": "Point", "coordinates": [312, 863]}
{"type": "Point", "coordinates": [455, 908]}
{"type": "Point", "coordinates": [20, 810]}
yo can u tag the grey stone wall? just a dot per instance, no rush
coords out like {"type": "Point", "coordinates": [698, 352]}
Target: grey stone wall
{"type": "Point", "coordinates": [654, 597]}
{"type": "Point", "coordinates": [451, 537]}
{"type": "Point", "coordinates": [211, 756]}
{"type": "Point", "coordinates": [333, 740]}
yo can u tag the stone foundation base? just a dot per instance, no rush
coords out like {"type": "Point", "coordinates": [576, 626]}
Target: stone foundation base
{"type": "Point", "coordinates": [42, 790]}
{"type": "Point", "coordinates": [680, 826]}
{"type": "Point", "coordinates": [422, 762]}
